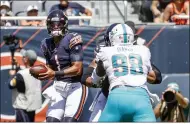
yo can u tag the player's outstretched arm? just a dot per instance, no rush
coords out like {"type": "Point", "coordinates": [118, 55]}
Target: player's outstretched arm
{"type": "Point", "coordinates": [154, 76]}
{"type": "Point", "coordinates": [151, 77]}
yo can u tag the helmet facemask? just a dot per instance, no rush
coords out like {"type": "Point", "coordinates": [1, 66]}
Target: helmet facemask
{"type": "Point", "coordinates": [57, 23]}
{"type": "Point", "coordinates": [56, 28]}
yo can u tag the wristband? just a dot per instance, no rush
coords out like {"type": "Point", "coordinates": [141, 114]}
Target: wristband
{"type": "Point", "coordinates": [59, 73]}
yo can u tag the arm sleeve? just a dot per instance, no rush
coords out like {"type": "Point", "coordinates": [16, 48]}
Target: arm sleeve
{"type": "Point", "coordinates": [76, 51]}
{"type": "Point", "coordinates": [20, 85]}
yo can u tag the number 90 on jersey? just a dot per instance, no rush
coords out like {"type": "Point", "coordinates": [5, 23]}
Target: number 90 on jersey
{"type": "Point", "coordinates": [124, 65]}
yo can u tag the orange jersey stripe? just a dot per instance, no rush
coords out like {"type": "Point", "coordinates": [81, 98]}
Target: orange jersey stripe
{"type": "Point", "coordinates": [82, 103]}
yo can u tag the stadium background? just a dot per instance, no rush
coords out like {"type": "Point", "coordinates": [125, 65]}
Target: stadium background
{"type": "Point", "coordinates": [169, 46]}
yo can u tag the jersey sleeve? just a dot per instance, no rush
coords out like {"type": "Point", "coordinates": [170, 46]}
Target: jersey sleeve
{"type": "Point", "coordinates": [75, 46]}
{"type": "Point", "coordinates": [45, 51]}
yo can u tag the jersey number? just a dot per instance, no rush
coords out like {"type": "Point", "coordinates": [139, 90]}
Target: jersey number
{"type": "Point", "coordinates": [123, 65]}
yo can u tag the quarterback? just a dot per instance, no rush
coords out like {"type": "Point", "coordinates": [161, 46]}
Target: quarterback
{"type": "Point", "coordinates": [64, 56]}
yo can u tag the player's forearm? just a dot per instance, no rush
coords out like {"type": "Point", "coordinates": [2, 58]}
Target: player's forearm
{"type": "Point", "coordinates": [100, 71]}
{"type": "Point", "coordinates": [154, 76]}
{"type": "Point", "coordinates": [86, 78]}
{"type": "Point", "coordinates": [74, 70]}
{"type": "Point", "coordinates": [151, 77]}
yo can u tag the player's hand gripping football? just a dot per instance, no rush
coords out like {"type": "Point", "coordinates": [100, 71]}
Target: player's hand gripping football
{"type": "Point", "coordinates": [49, 75]}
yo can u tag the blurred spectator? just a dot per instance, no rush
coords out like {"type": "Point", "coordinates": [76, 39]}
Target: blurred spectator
{"type": "Point", "coordinates": [32, 10]}
{"type": "Point", "coordinates": [177, 7]}
{"type": "Point", "coordinates": [152, 11]}
{"type": "Point", "coordinates": [157, 8]}
{"type": "Point", "coordinates": [26, 90]}
{"type": "Point", "coordinates": [73, 9]}
{"type": "Point", "coordinates": [6, 11]}
{"type": "Point", "coordinates": [145, 14]}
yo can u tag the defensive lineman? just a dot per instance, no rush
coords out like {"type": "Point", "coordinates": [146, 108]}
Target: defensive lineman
{"type": "Point", "coordinates": [127, 66]}
{"type": "Point", "coordinates": [101, 96]}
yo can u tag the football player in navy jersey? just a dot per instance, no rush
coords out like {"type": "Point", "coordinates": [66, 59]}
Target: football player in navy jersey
{"type": "Point", "coordinates": [64, 56]}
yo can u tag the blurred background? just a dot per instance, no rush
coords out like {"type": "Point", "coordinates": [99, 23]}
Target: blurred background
{"type": "Point", "coordinates": [164, 24]}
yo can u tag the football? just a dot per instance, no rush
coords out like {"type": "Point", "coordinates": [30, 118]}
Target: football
{"type": "Point", "coordinates": [37, 69]}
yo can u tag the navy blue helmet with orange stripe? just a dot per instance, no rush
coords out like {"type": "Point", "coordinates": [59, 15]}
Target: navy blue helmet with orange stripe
{"type": "Point", "coordinates": [57, 23]}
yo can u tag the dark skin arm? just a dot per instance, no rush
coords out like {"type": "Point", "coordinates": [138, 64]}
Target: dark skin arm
{"type": "Point", "coordinates": [89, 79]}
{"type": "Point", "coordinates": [151, 77]}
{"type": "Point", "coordinates": [74, 70]}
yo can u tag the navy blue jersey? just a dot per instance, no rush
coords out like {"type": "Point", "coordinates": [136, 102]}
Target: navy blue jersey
{"type": "Point", "coordinates": [60, 56]}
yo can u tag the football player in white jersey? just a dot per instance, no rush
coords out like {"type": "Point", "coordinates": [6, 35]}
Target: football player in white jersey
{"type": "Point", "coordinates": [101, 96]}
{"type": "Point", "coordinates": [127, 67]}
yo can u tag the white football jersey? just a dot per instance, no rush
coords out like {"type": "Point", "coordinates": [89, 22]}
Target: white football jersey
{"type": "Point", "coordinates": [126, 64]}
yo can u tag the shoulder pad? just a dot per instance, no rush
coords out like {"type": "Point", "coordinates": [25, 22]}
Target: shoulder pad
{"type": "Point", "coordinates": [76, 39]}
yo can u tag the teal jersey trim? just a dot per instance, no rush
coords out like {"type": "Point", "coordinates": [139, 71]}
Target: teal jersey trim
{"type": "Point", "coordinates": [125, 33]}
